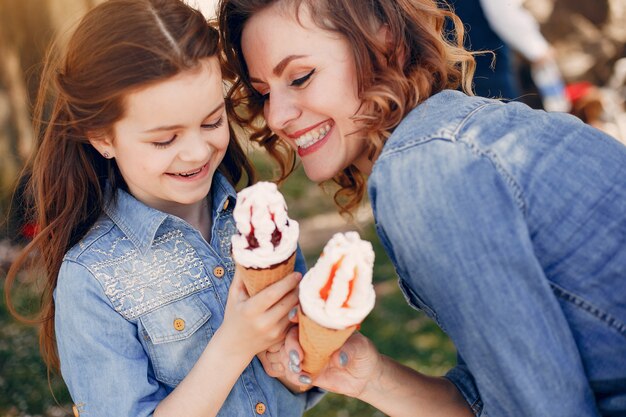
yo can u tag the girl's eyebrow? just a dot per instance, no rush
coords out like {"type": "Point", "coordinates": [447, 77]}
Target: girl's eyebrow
{"type": "Point", "coordinates": [280, 67]}
{"type": "Point", "coordinates": [173, 127]}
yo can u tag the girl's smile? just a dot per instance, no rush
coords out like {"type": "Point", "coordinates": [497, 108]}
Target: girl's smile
{"type": "Point", "coordinates": [190, 176]}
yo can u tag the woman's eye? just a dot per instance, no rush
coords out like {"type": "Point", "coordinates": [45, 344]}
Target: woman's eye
{"type": "Point", "coordinates": [300, 81]}
{"type": "Point", "coordinates": [164, 144]}
{"type": "Point", "coordinates": [215, 125]}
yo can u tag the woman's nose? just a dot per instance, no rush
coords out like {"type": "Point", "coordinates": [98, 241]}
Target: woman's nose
{"type": "Point", "coordinates": [280, 110]}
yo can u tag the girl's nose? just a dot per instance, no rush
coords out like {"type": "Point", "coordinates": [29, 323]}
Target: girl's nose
{"type": "Point", "coordinates": [195, 147]}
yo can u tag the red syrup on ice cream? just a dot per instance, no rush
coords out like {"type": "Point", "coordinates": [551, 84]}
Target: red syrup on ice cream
{"type": "Point", "coordinates": [277, 235]}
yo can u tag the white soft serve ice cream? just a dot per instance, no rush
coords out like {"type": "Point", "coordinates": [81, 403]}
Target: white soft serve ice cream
{"type": "Point", "coordinates": [337, 292]}
{"type": "Point", "coordinates": [266, 235]}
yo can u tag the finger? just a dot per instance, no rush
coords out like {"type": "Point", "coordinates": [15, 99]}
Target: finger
{"type": "Point", "coordinates": [273, 357]}
{"type": "Point", "coordinates": [278, 368]}
{"type": "Point", "coordinates": [275, 292]}
{"type": "Point", "coordinates": [275, 348]}
{"type": "Point", "coordinates": [282, 308]}
{"type": "Point", "coordinates": [238, 288]}
{"type": "Point", "coordinates": [293, 315]}
{"type": "Point", "coordinates": [294, 350]}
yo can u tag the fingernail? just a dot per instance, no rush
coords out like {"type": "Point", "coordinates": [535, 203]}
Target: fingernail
{"type": "Point", "coordinates": [294, 368]}
{"type": "Point", "coordinates": [305, 380]}
{"type": "Point", "coordinates": [293, 312]}
{"type": "Point", "coordinates": [343, 359]}
{"type": "Point", "coordinates": [294, 358]}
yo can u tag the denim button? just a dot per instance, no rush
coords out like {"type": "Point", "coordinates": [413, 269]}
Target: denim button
{"type": "Point", "coordinates": [218, 271]}
{"type": "Point", "coordinates": [225, 205]}
{"type": "Point", "coordinates": [260, 408]}
{"type": "Point", "coordinates": [179, 324]}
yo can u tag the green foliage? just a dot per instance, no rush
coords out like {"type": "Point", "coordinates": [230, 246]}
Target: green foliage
{"type": "Point", "coordinates": [24, 386]}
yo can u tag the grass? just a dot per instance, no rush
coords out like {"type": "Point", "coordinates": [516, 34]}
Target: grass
{"type": "Point", "coordinates": [396, 329]}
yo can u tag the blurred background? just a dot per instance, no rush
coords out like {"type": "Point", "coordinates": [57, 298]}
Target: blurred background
{"type": "Point", "coordinates": [588, 38]}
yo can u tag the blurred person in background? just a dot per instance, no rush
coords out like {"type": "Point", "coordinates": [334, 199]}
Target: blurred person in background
{"type": "Point", "coordinates": [505, 27]}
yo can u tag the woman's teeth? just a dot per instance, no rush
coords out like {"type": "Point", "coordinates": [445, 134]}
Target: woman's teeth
{"type": "Point", "coordinates": [313, 136]}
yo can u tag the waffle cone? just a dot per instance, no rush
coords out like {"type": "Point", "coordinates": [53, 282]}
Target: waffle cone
{"type": "Point", "coordinates": [256, 279]}
{"type": "Point", "coordinates": [319, 343]}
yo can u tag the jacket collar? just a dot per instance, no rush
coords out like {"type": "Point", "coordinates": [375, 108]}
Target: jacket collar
{"type": "Point", "coordinates": [140, 222]}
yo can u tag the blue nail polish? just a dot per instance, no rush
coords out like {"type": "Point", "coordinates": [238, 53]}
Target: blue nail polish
{"type": "Point", "coordinates": [294, 358]}
{"type": "Point", "coordinates": [343, 359]}
{"type": "Point", "coordinates": [294, 368]}
{"type": "Point", "coordinates": [305, 380]}
{"type": "Point", "coordinates": [292, 313]}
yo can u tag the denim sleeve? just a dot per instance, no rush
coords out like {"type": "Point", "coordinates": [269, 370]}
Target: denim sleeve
{"type": "Point", "coordinates": [300, 262]}
{"type": "Point", "coordinates": [454, 224]}
{"type": "Point", "coordinates": [102, 361]}
{"type": "Point", "coordinates": [314, 396]}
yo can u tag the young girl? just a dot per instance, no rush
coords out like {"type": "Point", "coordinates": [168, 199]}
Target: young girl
{"type": "Point", "coordinates": [506, 225]}
{"type": "Point", "coordinates": [133, 189]}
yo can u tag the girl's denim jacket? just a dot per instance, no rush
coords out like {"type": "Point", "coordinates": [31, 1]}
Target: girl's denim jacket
{"type": "Point", "coordinates": [507, 226]}
{"type": "Point", "coordinates": [137, 301]}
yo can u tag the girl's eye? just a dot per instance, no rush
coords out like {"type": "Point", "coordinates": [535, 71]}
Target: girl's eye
{"type": "Point", "coordinates": [300, 81]}
{"type": "Point", "coordinates": [164, 144]}
{"type": "Point", "coordinates": [215, 125]}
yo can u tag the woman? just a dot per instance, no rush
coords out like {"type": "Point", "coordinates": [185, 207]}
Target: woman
{"type": "Point", "coordinates": [506, 225]}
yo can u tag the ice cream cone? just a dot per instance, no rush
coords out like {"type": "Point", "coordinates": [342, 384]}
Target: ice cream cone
{"type": "Point", "coordinates": [319, 343]}
{"type": "Point", "coordinates": [256, 279]}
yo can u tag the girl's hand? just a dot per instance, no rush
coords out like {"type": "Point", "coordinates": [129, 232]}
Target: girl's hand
{"type": "Point", "coordinates": [253, 324]}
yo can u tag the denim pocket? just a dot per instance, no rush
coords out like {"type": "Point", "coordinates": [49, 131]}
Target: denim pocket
{"type": "Point", "coordinates": [175, 336]}
{"type": "Point", "coordinates": [415, 301]}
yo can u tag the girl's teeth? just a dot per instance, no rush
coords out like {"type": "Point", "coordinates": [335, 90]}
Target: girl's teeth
{"type": "Point", "coordinates": [310, 138]}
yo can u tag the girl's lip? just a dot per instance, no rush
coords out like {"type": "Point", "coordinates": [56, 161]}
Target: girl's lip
{"type": "Point", "coordinates": [199, 174]}
{"type": "Point", "coordinates": [306, 151]}
{"type": "Point", "coordinates": [297, 134]}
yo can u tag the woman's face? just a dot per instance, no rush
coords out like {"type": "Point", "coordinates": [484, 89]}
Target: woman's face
{"type": "Point", "coordinates": [307, 76]}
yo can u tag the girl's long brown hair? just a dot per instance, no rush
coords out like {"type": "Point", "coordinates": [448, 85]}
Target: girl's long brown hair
{"type": "Point", "coordinates": [418, 59]}
{"type": "Point", "coordinates": [118, 47]}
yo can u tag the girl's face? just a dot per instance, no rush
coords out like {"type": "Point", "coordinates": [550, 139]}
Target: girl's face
{"type": "Point", "coordinates": [172, 138]}
{"type": "Point", "coordinates": [307, 76]}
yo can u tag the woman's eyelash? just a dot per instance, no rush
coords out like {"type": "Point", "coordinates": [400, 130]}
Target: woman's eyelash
{"type": "Point", "coordinates": [164, 144]}
{"type": "Point", "coordinates": [300, 81]}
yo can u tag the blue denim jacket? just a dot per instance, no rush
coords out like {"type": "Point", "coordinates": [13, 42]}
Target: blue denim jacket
{"type": "Point", "coordinates": [137, 301]}
{"type": "Point", "coordinates": [507, 226]}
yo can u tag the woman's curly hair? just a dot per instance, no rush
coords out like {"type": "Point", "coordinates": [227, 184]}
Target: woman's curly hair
{"type": "Point", "coordinates": [419, 57]}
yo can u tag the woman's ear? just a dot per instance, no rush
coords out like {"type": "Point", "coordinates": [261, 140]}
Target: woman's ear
{"type": "Point", "coordinates": [102, 142]}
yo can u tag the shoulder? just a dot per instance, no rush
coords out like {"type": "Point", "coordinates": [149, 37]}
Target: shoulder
{"type": "Point", "coordinates": [97, 236]}
{"type": "Point", "coordinates": [440, 117]}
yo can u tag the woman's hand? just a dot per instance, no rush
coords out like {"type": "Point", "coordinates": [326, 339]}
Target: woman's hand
{"type": "Point", "coordinates": [254, 324]}
{"type": "Point", "coordinates": [347, 373]}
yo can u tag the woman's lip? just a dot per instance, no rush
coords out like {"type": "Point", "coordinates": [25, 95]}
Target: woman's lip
{"type": "Point", "coordinates": [296, 135]}
{"type": "Point", "coordinates": [306, 151]}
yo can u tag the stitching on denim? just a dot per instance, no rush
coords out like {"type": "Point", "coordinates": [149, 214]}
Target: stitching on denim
{"type": "Point", "coordinates": [601, 315]}
{"type": "Point", "coordinates": [444, 134]}
{"type": "Point", "coordinates": [136, 284]}
{"type": "Point", "coordinates": [508, 178]}
{"type": "Point", "coordinates": [477, 407]}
